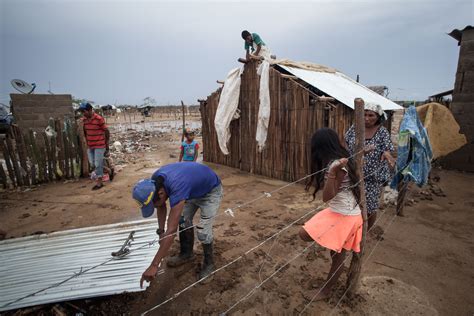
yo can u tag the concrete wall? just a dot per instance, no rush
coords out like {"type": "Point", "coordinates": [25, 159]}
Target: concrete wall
{"type": "Point", "coordinates": [34, 110]}
{"type": "Point", "coordinates": [462, 106]}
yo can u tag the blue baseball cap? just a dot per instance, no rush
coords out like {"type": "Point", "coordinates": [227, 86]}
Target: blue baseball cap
{"type": "Point", "coordinates": [143, 194]}
{"type": "Point", "coordinates": [84, 106]}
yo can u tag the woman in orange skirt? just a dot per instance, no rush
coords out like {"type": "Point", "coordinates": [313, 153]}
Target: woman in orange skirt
{"type": "Point", "coordinates": [338, 227]}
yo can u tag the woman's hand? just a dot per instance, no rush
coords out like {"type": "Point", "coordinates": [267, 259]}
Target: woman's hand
{"type": "Point", "coordinates": [338, 165]}
{"type": "Point", "coordinates": [149, 274]}
{"type": "Point", "coordinates": [369, 148]}
{"type": "Point", "coordinates": [387, 156]}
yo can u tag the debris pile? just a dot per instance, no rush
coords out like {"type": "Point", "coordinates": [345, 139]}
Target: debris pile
{"type": "Point", "coordinates": [128, 143]}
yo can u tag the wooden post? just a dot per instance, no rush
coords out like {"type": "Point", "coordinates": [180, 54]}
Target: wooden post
{"type": "Point", "coordinates": [356, 263]}
{"type": "Point", "coordinates": [402, 192]}
{"type": "Point", "coordinates": [60, 145]}
{"type": "Point", "coordinates": [6, 155]}
{"type": "Point", "coordinates": [67, 170]}
{"type": "Point", "coordinates": [3, 176]}
{"type": "Point", "coordinates": [48, 157]}
{"type": "Point", "coordinates": [33, 160]}
{"type": "Point", "coordinates": [184, 121]}
{"type": "Point", "coordinates": [83, 149]}
{"type": "Point", "coordinates": [36, 155]}
{"type": "Point", "coordinates": [13, 157]}
{"type": "Point", "coordinates": [22, 155]}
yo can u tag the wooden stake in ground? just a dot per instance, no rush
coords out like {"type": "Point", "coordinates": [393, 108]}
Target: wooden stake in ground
{"type": "Point", "coordinates": [356, 263]}
{"type": "Point", "coordinates": [6, 155]}
{"type": "Point", "coordinates": [402, 192]}
{"type": "Point", "coordinates": [14, 160]}
{"type": "Point", "coordinates": [184, 121]}
{"type": "Point", "coordinates": [3, 177]}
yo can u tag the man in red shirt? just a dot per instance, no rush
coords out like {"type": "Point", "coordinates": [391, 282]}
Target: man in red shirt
{"type": "Point", "coordinates": [97, 136]}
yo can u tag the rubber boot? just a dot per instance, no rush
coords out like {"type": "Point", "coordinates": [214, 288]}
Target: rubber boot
{"type": "Point", "coordinates": [208, 263]}
{"type": "Point", "coordinates": [186, 254]}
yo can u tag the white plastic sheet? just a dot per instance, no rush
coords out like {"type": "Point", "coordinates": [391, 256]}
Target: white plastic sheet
{"type": "Point", "coordinates": [264, 108]}
{"type": "Point", "coordinates": [226, 110]}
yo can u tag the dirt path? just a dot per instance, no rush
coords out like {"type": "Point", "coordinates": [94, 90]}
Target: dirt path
{"type": "Point", "coordinates": [422, 266]}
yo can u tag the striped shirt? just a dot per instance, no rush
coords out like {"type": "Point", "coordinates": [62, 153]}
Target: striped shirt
{"type": "Point", "coordinates": [94, 129]}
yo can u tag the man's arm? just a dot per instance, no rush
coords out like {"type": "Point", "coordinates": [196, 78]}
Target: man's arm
{"type": "Point", "coordinates": [161, 215]}
{"type": "Point", "coordinates": [247, 55]}
{"type": "Point", "coordinates": [181, 154]}
{"type": "Point", "coordinates": [165, 242]}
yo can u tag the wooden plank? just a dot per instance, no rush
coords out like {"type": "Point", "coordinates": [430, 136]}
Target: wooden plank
{"type": "Point", "coordinates": [47, 151]}
{"type": "Point", "coordinates": [33, 161]}
{"type": "Point", "coordinates": [3, 177]}
{"type": "Point", "coordinates": [6, 155]}
{"type": "Point", "coordinates": [22, 156]}
{"type": "Point", "coordinates": [60, 147]}
{"type": "Point", "coordinates": [13, 157]}
{"type": "Point", "coordinates": [82, 143]}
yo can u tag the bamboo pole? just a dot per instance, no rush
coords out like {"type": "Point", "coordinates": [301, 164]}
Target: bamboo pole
{"type": "Point", "coordinates": [356, 263]}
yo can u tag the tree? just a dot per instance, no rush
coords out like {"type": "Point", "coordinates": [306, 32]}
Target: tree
{"type": "Point", "coordinates": [149, 101]}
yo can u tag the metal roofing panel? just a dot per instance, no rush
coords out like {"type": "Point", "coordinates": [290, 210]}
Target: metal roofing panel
{"type": "Point", "coordinates": [341, 87]}
{"type": "Point", "coordinates": [32, 263]}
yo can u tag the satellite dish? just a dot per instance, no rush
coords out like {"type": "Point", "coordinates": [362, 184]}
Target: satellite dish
{"type": "Point", "coordinates": [23, 86]}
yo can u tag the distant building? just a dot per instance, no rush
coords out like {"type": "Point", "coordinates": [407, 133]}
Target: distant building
{"type": "Point", "coordinates": [462, 105]}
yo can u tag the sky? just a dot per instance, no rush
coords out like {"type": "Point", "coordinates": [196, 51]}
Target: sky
{"type": "Point", "coordinates": [120, 52]}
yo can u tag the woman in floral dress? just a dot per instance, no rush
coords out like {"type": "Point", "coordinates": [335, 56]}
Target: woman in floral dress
{"type": "Point", "coordinates": [378, 160]}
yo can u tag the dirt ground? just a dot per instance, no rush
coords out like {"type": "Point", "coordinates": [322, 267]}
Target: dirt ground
{"type": "Point", "coordinates": [421, 265]}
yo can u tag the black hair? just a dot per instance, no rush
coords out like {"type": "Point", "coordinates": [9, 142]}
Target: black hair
{"type": "Point", "coordinates": [159, 183]}
{"type": "Point", "coordinates": [325, 148]}
{"type": "Point", "coordinates": [88, 106]}
{"type": "Point", "coordinates": [245, 34]}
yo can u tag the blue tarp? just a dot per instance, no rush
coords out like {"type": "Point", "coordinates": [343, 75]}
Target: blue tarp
{"type": "Point", "coordinates": [414, 151]}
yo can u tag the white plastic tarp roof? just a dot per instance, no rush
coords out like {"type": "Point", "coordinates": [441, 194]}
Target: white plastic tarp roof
{"type": "Point", "coordinates": [33, 263]}
{"type": "Point", "coordinates": [341, 87]}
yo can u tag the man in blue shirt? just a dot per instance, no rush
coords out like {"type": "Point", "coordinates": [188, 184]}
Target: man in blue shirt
{"type": "Point", "coordinates": [188, 186]}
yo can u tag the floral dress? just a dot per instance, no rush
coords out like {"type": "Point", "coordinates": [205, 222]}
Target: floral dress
{"type": "Point", "coordinates": [376, 171]}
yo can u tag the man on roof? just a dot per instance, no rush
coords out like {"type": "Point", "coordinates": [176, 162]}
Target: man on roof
{"type": "Point", "coordinates": [189, 186]}
{"type": "Point", "coordinates": [255, 46]}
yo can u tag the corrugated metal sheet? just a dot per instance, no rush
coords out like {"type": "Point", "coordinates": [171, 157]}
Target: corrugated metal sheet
{"type": "Point", "coordinates": [33, 263]}
{"type": "Point", "coordinates": [341, 87]}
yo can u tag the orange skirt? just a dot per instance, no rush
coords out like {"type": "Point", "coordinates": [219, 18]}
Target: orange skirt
{"type": "Point", "coordinates": [335, 231]}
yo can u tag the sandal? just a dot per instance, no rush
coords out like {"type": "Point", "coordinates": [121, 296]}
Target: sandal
{"type": "Point", "coordinates": [97, 187]}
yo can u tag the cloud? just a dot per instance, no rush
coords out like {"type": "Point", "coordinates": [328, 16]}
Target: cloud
{"type": "Point", "coordinates": [128, 50]}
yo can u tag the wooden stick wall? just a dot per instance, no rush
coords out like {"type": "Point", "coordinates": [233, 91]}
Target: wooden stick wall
{"type": "Point", "coordinates": [33, 158]}
{"type": "Point", "coordinates": [293, 120]}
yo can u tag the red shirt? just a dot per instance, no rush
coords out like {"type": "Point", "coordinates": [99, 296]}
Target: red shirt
{"type": "Point", "coordinates": [94, 129]}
